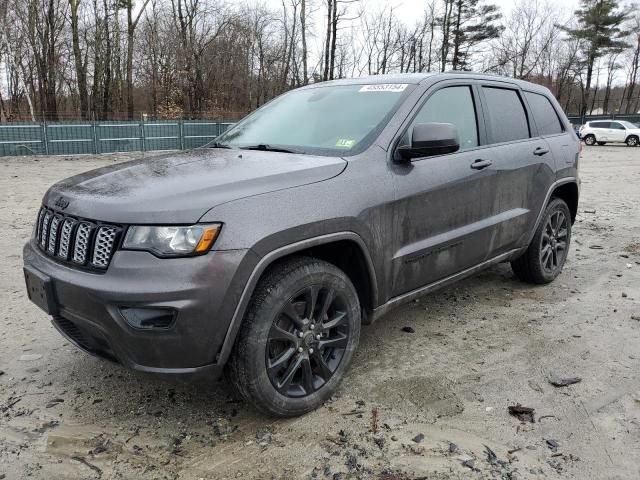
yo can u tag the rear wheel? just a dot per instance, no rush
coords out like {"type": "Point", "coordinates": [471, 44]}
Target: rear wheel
{"type": "Point", "coordinates": [632, 141]}
{"type": "Point", "coordinates": [297, 338]}
{"type": "Point", "coordinates": [590, 140]}
{"type": "Point", "coordinates": [547, 252]}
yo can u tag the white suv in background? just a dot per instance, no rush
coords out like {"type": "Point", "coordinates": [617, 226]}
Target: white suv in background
{"type": "Point", "coordinates": [614, 131]}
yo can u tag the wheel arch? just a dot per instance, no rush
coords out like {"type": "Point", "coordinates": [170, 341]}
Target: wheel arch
{"type": "Point", "coordinates": [345, 250]}
{"type": "Point", "coordinates": [570, 193]}
{"type": "Point", "coordinates": [566, 188]}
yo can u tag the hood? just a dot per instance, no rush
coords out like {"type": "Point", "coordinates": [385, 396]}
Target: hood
{"type": "Point", "coordinates": [181, 187]}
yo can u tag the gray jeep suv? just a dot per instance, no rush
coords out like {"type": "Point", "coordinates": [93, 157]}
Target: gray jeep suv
{"type": "Point", "coordinates": [263, 254]}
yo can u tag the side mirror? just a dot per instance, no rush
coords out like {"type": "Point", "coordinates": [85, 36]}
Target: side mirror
{"type": "Point", "coordinates": [430, 139]}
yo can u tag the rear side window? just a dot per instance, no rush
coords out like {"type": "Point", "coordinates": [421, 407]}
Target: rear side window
{"type": "Point", "coordinates": [507, 116]}
{"type": "Point", "coordinates": [544, 114]}
{"type": "Point", "coordinates": [600, 124]}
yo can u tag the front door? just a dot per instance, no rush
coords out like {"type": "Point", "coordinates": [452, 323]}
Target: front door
{"type": "Point", "coordinates": [446, 204]}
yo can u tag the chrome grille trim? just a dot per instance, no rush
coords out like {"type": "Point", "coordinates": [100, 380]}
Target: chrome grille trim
{"type": "Point", "coordinates": [81, 247]}
{"type": "Point", "coordinates": [105, 238]}
{"type": "Point", "coordinates": [65, 238]}
{"type": "Point", "coordinates": [39, 224]}
{"type": "Point", "coordinates": [44, 234]}
{"type": "Point", "coordinates": [53, 234]}
{"type": "Point", "coordinates": [82, 242]}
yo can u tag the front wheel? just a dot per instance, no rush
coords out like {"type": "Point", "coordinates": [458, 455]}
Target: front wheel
{"type": "Point", "coordinates": [590, 140]}
{"type": "Point", "coordinates": [632, 141]}
{"type": "Point", "coordinates": [543, 260]}
{"type": "Point", "coordinates": [297, 338]}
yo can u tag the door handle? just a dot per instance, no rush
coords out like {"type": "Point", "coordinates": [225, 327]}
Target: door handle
{"type": "Point", "coordinates": [479, 164]}
{"type": "Point", "coordinates": [540, 151]}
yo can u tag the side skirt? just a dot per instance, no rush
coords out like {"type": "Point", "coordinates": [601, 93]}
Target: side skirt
{"type": "Point", "coordinates": [409, 296]}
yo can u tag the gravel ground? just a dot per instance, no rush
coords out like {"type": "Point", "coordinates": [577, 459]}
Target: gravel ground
{"type": "Point", "coordinates": [428, 404]}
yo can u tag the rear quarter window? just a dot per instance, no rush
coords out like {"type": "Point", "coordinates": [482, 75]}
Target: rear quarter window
{"type": "Point", "coordinates": [507, 116]}
{"type": "Point", "coordinates": [599, 124]}
{"type": "Point", "coordinates": [544, 114]}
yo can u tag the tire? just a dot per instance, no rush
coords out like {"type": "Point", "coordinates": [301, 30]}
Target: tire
{"type": "Point", "coordinates": [544, 258]}
{"type": "Point", "coordinates": [590, 140]}
{"type": "Point", "coordinates": [280, 363]}
{"type": "Point", "coordinates": [602, 143]}
{"type": "Point", "coordinates": [632, 141]}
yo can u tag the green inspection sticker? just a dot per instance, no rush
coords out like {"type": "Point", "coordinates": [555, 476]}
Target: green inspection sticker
{"type": "Point", "coordinates": [345, 143]}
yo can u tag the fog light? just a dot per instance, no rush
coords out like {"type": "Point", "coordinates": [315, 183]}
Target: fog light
{"type": "Point", "coordinates": [149, 318]}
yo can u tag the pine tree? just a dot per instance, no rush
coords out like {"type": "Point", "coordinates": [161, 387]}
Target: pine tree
{"type": "Point", "coordinates": [599, 31]}
{"type": "Point", "coordinates": [466, 23]}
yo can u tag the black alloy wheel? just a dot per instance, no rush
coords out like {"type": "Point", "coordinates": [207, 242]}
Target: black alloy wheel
{"type": "Point", "coordinates": [307, 341]}
{"type": "Point", "coordinates": [298, 337]}
{"type": "Point", "coordinates": [553, 247]}
{"type": "Point", "coordinates": [544, 258]}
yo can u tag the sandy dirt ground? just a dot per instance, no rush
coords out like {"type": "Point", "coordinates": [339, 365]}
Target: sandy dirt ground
{"type": "Point", "coordinates": [431, 404]}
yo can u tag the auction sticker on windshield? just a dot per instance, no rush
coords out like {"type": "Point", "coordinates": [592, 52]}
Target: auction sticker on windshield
{"type": "Point", "coordinates": [385, 87]}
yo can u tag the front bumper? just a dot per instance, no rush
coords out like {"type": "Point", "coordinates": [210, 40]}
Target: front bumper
{"type": "Point", "coordinates": [202, 291]}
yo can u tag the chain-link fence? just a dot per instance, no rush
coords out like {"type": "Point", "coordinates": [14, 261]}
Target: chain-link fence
{"type": "Point", "coordinates": [69, 138]}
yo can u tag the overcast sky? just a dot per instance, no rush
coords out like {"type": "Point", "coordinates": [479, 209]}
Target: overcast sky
{"type": "Point", "coordinates": [410, 10]}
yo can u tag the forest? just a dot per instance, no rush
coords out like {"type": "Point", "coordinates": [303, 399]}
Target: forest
{"type": "Point", "coordinates": [167, 59]}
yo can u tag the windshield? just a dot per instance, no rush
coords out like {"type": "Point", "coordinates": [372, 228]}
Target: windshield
{"type": "Point", "coordinates": [331, 120]}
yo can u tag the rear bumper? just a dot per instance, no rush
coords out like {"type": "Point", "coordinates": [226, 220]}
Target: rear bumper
{"type": "Point", "coordinates": [201, 291]}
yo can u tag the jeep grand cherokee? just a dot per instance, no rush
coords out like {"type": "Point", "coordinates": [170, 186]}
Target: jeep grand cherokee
{"type": "Point", "coordinates": [262, 255]}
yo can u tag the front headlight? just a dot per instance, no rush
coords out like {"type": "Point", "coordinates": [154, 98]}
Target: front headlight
{"type": "Point", "coordinates": [172, 241]}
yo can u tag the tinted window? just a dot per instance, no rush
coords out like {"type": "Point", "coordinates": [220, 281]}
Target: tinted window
{"type": "Point", "coordinates": [544, 114]}
{"type": "Point", "coordinates": [599, 124]}
{"type": "Point", "coordinates": [507, 116]}
{"type": "Point", "coordinates": [450, 105]}
{"type": "Point", "coordinates": [616, 125]}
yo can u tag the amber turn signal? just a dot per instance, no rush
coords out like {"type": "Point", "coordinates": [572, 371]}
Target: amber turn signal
{"type": "Point", "coordinates": [208, 237]}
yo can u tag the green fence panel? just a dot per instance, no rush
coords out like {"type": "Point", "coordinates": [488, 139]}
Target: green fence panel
{"type": "Point", "coordinates": [629, 117]}
{"type": "Point", "coordinates": [162, 135]}
{"type": "Point", "coordinates": [119, 136]}
{"type": "Point", "coordinates": [81, 137]}
{"type": "Point", "coordinates": [70, 138]}
{"type": "Point", "coordinates": [22, 139]}
{"type": "Point", "coordinates": [196, 133]}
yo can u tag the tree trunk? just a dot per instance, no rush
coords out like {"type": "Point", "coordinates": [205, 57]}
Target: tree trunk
{"type": "Point", "coordinates": [334, 32]}
{"type": "Point", "coordinates": [456, 38]}
{"type": "Point", "coordinates": [587, 87]}
{"type": "Point", "coordinates": [327, 43]}
{"type": "Point", "coordinates": [446, 27]}
{"type": "Point", "coordinates": [81, 70]}
{"type": "Point", "coordinates": [303, 32]}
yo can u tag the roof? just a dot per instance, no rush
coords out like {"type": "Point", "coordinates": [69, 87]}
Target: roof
{"type": "Point", "coordinates": [417, 78]}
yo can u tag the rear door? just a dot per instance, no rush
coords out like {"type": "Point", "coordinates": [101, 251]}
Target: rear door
{"type": "Point", "coordinates": [523, 161]}
{"type": "Point", "coordinates": [549, 127]}
{"type": "Point", "coordinates": [601, 130]}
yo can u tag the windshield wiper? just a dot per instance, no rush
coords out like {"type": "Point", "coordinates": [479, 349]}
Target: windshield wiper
{"type": "Point", "coordinates": [267, 148]}
{"type": "Point", "coordinates": [218, 145]}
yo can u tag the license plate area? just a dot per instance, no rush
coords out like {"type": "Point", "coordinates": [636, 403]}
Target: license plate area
{"type": "Point", "coordinates": [40, 290]}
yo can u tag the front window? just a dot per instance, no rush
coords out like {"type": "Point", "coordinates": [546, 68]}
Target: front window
{"type": "Point", "coordinates": [324, 120]}
{"type": "Point", "coordinates": [627, 124]}
{"type": "Point", "coordinates": [449, 105]}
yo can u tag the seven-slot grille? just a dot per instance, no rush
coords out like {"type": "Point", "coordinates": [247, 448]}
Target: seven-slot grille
{"type": "Point", "coordinates": [80, 242]}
